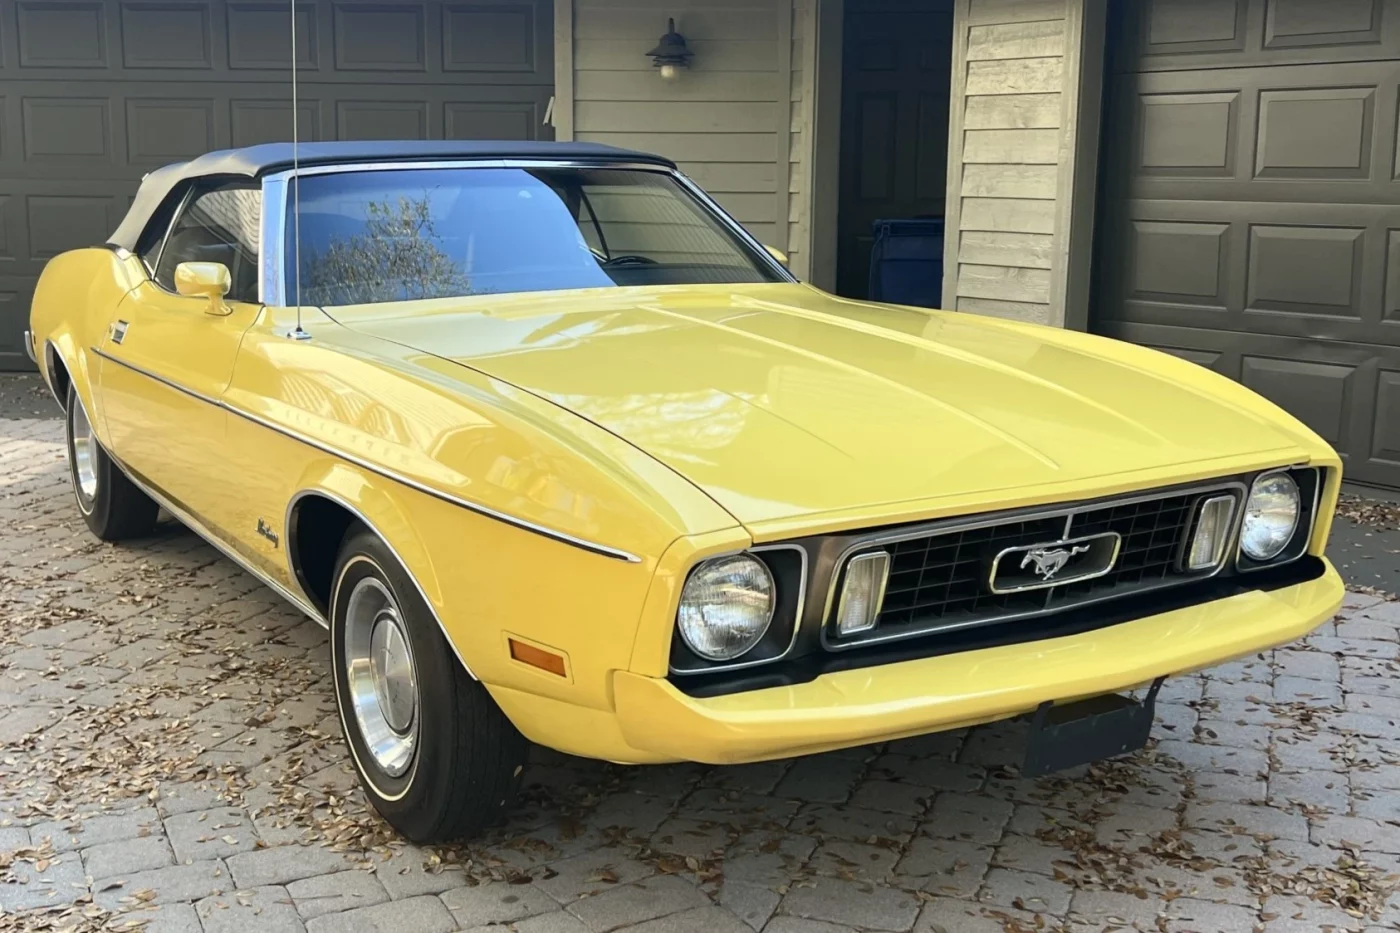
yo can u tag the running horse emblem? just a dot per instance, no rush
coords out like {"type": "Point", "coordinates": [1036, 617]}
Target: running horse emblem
{"type": "Point", "coordinates": [1050, 562]}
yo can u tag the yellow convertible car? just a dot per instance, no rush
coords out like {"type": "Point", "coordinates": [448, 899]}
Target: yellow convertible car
{"type": "Point", "coordinates": [559, 453]}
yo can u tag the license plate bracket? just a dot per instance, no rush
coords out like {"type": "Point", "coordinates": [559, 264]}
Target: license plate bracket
{"type": "Point", "coordinates": [1084, 731]}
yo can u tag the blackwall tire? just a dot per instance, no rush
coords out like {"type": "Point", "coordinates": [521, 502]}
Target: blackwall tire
{"type": "Point", "coordinates": [435, 754]}
{"type": "Point", "coordinates": [111, 504]}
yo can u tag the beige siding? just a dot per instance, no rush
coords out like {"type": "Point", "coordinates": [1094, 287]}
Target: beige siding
{"type": "Point", "coordinates": [728, 121]}
{"type": "Point", "coordinates": [1005, 160]}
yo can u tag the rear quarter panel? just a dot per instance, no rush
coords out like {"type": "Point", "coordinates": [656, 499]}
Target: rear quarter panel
{"type": "Point", "coordinates": [74, 303]}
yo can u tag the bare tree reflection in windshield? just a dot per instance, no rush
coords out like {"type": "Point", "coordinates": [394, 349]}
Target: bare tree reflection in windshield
{"type": "Point", "coordinates": [396, 257]}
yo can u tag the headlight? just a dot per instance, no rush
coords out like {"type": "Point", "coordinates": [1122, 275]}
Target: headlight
{"type": "Point", "coordinates": [1271, 517]}
{"type": "Point", "coordinates": [726, 607]}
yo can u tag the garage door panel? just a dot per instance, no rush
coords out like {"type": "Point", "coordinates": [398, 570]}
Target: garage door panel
{"type": "Point", "coordinates": [1318, 394]}
{"type": "Point", "coordinates": [1191, 34]}
{"type": "Point", "coordinates": [1179, 263]}
{"type": "Point", "coordinates": [95, 93]}
{"type": "Point", "coordinates": [1187, 27]}
{"type": "Point", "coordinates": [1306, 24]}
{"type": "Point", "coordinates": [1303, 270]}
{"type": "Point", "coordinates": [380, 36]}
{"type": "Point", "coordinates": [1252, 133]}
{"type": "Point", "coordinates": [270, 120]}
{"type": "Point", "coordinates": [160, 130]}
{"type": "Point", "coordinates": [165, 35]}
{"type": "Point", "coordinates": [62, 34]}
{"type": "Point", "coordinates": [1386, 446]}
{"type": "Point", "coordinates": [495, 37]}
{"type": "Point", "coordinates": [1316, 133]}
{"type": "Point", "coordinates": [259, 35]}
{"type": "Point", "coordinates": [1192, 135]}
{"type": "Point", "coordinates": [381, 119]}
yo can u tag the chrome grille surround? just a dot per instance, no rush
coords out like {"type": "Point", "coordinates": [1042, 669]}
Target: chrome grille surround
{"type": "Point", "coordinates": [940, 571]}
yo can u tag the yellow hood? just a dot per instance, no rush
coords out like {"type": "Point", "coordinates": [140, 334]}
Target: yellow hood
{"type": "Point", "coordinates": [780, 401]}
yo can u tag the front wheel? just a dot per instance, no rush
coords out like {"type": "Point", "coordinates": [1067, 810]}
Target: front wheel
{"type": "Point", "coordinates": [111, 504]}
{"type": "Point", "coordinates": [437, 757]}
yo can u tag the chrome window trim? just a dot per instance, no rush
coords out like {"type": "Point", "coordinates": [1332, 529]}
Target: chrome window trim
{"type": "Point", "coordinates": [165, 240]}
{"type": "Point", "coordinates": [562, 537]}
{"type": "Point", "coordinates": [953, 526]}
{"type": "Point", "coordinates": [294, 572]}
{"type": "Point", "coordinates": [271, 276]}
{"type": "Point", "coordinates": [1241, 556]}
{"type": "Point", "coordinates": [796, 623]}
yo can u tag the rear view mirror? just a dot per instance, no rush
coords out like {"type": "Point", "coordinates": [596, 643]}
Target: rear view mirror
{"type": "Point", "coordinates": [777, 254]}
{"type": "Point", "coordinates": [209, 280]}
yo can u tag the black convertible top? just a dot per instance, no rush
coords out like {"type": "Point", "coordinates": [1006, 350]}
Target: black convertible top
{"type": "Point", "coordinates": [254, 161]}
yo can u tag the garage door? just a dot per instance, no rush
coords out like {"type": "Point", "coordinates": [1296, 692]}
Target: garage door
{"type": "Point", "coordinates": [93, 94]}
{"type": "Point", "coordinates": [1250, 214]}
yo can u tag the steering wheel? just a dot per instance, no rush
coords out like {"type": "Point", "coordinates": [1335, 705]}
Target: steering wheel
{"type": "Point", "coordinates": [629, 259]}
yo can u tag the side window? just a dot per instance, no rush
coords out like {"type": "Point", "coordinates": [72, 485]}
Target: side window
{"type": "Point", "coordinates": [217, 226]}
{"type": "Point", "coordinates": [153, 237]}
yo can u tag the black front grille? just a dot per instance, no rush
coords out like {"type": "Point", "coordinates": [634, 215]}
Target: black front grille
{"type": "Point", "coordinates": [940, 581]}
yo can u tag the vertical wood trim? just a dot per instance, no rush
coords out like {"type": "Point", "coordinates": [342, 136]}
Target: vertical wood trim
{"type": "Point", "coordinates": [825, 167]}
{"type": "Point", "coordinates": [1079, 179]}
{"type": "Point", "coordinates": [783, 174]}
{"type": "Point", "coordinates": [808, 194]}
{"type": "Point", "coordinates": [564, 70]}
{"type": "Point", "coordinates": [1078, 133]}
{"type": "Point", "coordinates": [957, 111]}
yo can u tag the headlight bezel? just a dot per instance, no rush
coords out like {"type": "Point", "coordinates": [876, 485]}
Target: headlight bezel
{"type": "Point", "coordinates": [787, 566]}
{"type": "Point", "coordinates": [1308, 481]}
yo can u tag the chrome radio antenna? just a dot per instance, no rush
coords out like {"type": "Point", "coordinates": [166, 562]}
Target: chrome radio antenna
{"type": "Point", "coordinates": [297, 334]}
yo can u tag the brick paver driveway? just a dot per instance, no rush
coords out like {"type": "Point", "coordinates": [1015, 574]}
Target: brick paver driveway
{"type": "Point", "coordinates": [169, 746]}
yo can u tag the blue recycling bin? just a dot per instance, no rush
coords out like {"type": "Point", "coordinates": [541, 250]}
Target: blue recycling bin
{"type": "Point", "coordinates": [906, 262]}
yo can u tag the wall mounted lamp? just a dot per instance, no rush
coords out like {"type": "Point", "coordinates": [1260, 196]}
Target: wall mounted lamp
{"type": "Point", "coordinates": [670, 54]}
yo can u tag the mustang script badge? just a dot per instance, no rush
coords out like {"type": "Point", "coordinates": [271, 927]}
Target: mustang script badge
{"type": "Point", "coordinates": [1049, 562]}
{"type": "Point", "coordinates": [1053, 563]}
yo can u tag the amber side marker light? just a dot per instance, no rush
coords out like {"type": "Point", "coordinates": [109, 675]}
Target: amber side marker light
{"type": "Point", "coordinates": [537, 657]}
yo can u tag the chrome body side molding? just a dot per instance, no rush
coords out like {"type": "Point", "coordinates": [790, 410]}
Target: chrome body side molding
{"type": "Point", "coordinates": [193, 524]}
{"type": "Point", "coordinates": [562, 537]}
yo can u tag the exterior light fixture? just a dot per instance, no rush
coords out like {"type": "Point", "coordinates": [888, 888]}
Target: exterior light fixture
{"type": "Point", "coordinates": [670, 54]}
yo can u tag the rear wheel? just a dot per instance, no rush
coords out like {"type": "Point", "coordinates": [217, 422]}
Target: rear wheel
{"type": "Point", "coordinates": [437, 757]}
{"type": "Point", "coordinates": [111, 504]}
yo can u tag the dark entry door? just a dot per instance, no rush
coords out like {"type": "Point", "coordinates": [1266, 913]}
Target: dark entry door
{"type": "Point", "coordinates": [1250, 216]}
{"type": "Point", "coordinates": [894, 123]}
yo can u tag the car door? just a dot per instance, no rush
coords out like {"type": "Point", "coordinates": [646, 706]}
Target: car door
{"type": "Point", "coordinates": [169, 357]}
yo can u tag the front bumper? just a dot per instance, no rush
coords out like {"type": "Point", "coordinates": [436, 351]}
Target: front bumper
{"type": "Point", "coordinates": [891, 701]}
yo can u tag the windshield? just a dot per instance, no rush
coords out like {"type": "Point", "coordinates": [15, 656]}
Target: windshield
{"type": "Point", "coordinates": [401, 234]}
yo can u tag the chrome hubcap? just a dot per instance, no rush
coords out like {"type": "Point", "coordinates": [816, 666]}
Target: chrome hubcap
{"type": "Point", "coordinates": [84, 453]}
{"type": "Point", "coordinates": [383, 682]}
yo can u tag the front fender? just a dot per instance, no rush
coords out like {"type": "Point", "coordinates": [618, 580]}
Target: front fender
{"type": "Point", "coordinates": [487, 581]}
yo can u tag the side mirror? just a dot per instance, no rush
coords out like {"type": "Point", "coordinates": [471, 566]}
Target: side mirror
{"type": "Point", "coordinates": [209, 280]}
{"type": "Point", "coordinates": [777, 254]}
